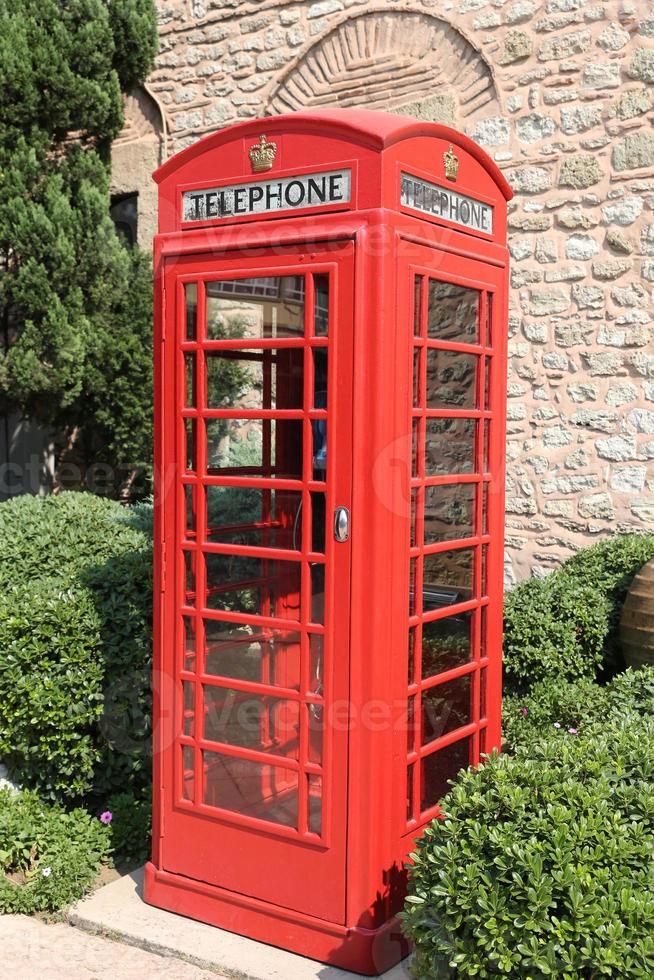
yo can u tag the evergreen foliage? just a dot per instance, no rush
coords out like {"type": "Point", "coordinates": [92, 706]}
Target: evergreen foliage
{"type": "Point", "coordinates": [75, 300]}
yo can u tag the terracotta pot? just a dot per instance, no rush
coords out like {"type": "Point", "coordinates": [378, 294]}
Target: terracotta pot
{"type": "Point", "coordinates": [637, 619]}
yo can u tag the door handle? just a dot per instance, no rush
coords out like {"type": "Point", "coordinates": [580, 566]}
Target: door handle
{"type": "Point", "coordinates": [341, 524]}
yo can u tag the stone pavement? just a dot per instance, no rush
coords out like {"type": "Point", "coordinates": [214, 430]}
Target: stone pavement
{"type": "Point", "coordinates": [33, 950]}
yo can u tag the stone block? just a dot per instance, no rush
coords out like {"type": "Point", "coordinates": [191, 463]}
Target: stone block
{"type": "Point", "coordinates": [598, 421]}
{"type": "Point", "coordinates": [642, 65]}
{"type": "Point", "coordinates": [520, 248]}
{"type": "Point", "coordinates": [578, 460]}
{"type": "Point", "coordinates": [530, 222]}
{"type": "Point", "coordinates": [588, 297]}
{"type": "Point", "coordinates": [583, 392]}
{"type": "Point", "coordinates": [613, 37]}
{"type": "Point", "coordinates": [632, 295]}
{"type": "Point", "coordinates": [534, 127]}
{"type": "Point", "coordinates": [580, 118]}
{"type": "Point", "coordinates": [574, 218]}
{"type": "Point", "coordinates": [604, 363]}
{"type": "Point", "coordinates": [556, 437]}
{"type": "Point", "coordinates": [580, 170]}
{"type": "Point", "coordinates": [517, 46]}
{"type": "Point", "coordinates": [601, 75]}
{"type": "Point", "coordinates": [617, 448]}
{"type": "Point", "coordinates": [642, 420]}
{"type": "Point", "coordinates": [643, 509]}
{"type": "Point", "coordinates": [611, 268]}
{"type": "Point", "coordinates": [545, 302]}
{"type": "Point", "coordinates": [632, 103]}
{"type": "Point", "coordinates": [617, 240]}
{"type": "Point", "coordinates": [628, 479]}
{"type": "Point", "coordinates": [564, 46]}
{"type": "Point", "coordinates": [558, 508]}
{"type": "Point", "coordinates": [530, 180]}
{"type": "Point", "coordinates": [647, 240]}
{"type": "Point", "coordinates": [621, 394]}
{"type": "Point", "coordinates": [581, 247]}
{"type": "Point", "coordinates": [634, 151]}
{"type": "Point", "coordinates": [521, 11]}
{"type": "Point", "coordinates": [323, 8]}
{"type": "Point", "coordinates": [565, 273]}
{"type": "Point", "coordinates": [597, 505]}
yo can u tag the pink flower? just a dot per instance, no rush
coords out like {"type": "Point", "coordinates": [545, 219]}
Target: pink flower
{"type": "Point", "coordinates": [557, 724]}
{"type": "Point", "coordinates": [524, 712]}
{"type": "Point", "coordinates": [573, 731]}
{"type": "Point", "coordinates": [106, 817]}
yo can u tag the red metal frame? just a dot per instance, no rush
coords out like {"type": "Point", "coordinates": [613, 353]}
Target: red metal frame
{"type": "Point", "coordinates": [330, 891]}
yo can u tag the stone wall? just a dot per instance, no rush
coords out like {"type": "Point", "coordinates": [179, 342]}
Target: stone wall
{"type": "Point", "coordinates": [560, 92]}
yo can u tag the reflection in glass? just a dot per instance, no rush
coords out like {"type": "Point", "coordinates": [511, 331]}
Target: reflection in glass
{"type": "Point", "coordinates": [321, 310]}
{"type": "Point", "coordinates": [316, 643]}
{"type": "Point", "coordinates": [259, 447]}
{"type": "Point", "coordinates": [417, 379]}
{"type": "Point", "coordinates": [190, 559]}
{"type": "Point", "coordinates": [320, 361]}
{"type": "Point", "coordinates": [489, 319]}
{"type": "Point", "coordinates": [188, 772]}
{"type": "Point", "coordinates": [188, 700]}
{"type": "Point", "coordinates": [446, 643]}
{"type": "Point", "coordinates": [190, 525]}
{"type": "Point", "coordinates": [317, 593]}
{"type": "Point", "coordinates": [191, 291]}
{"type": "Point", "coordinates": [446, 707]}
{"type": "Point", "coordinates": [190, 432]}
{"type": "Point", "coordinates": [447, 578]}
{"type": "Point", "coordinates": [417, 304]}
{"type": "Point", "coordinates": [263, 655]}
{"type": "Point", "coordinates": [412, 656]}
{"type": "Point", "coordinates": [451, 379]}
{"type": "Point", "coordinates": [249, 516]}
{"type": "Point", "coordinates": [255, 380]}
{"type": "Point", "coordinates": [256, 789]}
{"type": "Point", "coordinates": [409, 791]}
{"type": "Point", "coordinates": [449, 512]}
{"type": "Point", "coordinates": [453, 313]}
{"type": "Point", "coordinates": [315, 716]}
{"type": "Point", "coordinates": [256, 586]}
{"type": "Point", "coordinates": [251, 721]}
{"type": "Point", "coordinates": [438, 768]}
{"type": "Point", "coordinates": [191, 384]}
{"type": "Point", "coordinates": [190, 644]}
{"type": "Point", "coordinates": [449, 446]}
{"type": "Point", "coordinates": [315, 803]}
{"type": "Point", "coordinates": [252, 309]}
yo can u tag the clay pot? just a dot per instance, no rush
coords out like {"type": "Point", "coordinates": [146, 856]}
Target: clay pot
{"type": "Point", "coordinates": [637, 619]}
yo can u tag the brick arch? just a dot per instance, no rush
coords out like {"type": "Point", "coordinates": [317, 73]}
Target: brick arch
{"type": "Point", "coordinates": [391, 60]}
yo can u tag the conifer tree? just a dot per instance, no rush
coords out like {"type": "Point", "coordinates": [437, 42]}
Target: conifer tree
{"type": "Point", "coordinates": [75, 301]}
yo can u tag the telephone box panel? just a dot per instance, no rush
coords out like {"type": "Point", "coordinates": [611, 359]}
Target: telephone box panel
{"type": "Point", "coordinates": [330, 401]}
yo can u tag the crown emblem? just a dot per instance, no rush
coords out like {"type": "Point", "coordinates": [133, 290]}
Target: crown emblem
{"type": "Point", "coordinates": [451, 161]}
{"type": "Point", "coordinates": [262, 155]}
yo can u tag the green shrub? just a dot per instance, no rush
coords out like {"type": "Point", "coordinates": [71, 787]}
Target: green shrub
{"type": "Point", "coordinates": [565, 625]}
{"type": "Point", "coordinates": [542, 867]}
{"type": "Point", "coordinates": [48, 857]}
{"type": "Point", "coordinates": [577, 704]}
{"type": "Point", "coordinates": [553, 628]}
{"type": "Point", "coordinates": [75, 644]}
{"type": "Point", "coordinates": [130, 827]}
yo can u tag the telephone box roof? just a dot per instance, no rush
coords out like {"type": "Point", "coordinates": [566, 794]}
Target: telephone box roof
{"type": "Point", "coordinates": [376, 130]}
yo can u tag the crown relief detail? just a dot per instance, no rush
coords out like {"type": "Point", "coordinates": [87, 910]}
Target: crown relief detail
{"type": "Point", "coordinates": [262, 155]}
{"type": "Point", "coordinates": [451, 161]}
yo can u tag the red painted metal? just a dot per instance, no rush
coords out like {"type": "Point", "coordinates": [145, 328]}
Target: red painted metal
{"type": "Point", "coordinates": [294, 826]}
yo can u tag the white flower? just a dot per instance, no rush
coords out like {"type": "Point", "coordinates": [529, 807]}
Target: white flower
{"type": "Point", "coordinates": [46, 872]}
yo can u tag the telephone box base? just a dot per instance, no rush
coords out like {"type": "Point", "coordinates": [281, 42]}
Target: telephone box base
{"type": "Point", "coordinates": [366, 951]}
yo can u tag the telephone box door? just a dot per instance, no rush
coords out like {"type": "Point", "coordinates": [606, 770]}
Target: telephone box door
{"type": "Point", "coordinates": [257, 405]}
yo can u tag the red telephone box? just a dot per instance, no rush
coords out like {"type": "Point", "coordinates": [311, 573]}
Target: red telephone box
{"type": "Point", "coordinates": [330, 428]}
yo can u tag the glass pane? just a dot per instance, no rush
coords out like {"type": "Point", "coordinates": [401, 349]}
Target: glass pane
{"type": "Point", "coordinates": [410, 723]}
{"type": "Point", "coordinates": [413, 568]}
{"type": "Point", "coordinates": [188, 708]}
{"type": "Point", "coordinates": [487, 434]}
{"type": "Point", "coordinates": [191, 386]}
{"type": "Point", "coordinates": [252, 721]}
{"type": "Point", "coordinates": [190, 559]}
{"type": "Point", "coordinates": [415, 447]}
{"type": "Point", "coordinates": [264, 656]}
{"type": "Point", "coordinates": [446, 643]}
{"type": "Point", "coordinates": [489, 319]}
{"type": "Point", "coordinates": [446, 707]}
{"type": "Point", "coordinates": [251, 309]}
{"type": "Point", "coordinates": [487, 382]}
{"type": "Point", "coordinates": [451, 379]}
{"type": "Point", "coordinates": [409, 791]}
{"type": "Point", "coordinates": [320, 362]}
{"type": "Point", "coordinates": [316, 643]}
{"type": "Point", "coordinates": [449, 512]}
{"type": "Point", "coordinates": [417, 304]}
{"type": "Point", "coordinates": [315, 803]}
{"type": "Point", "coordinates": [438, 768]}
{"type": "Point", "coordinates": [191, 291]}
{"type": "Point", "coordinates": [447, 578]}
{"type": "Point", "coordinates": [259, 447]}
{"type": "Point", "coordinates": [417, 379]}
{"type": "Point", "coordinates": [321, 310]}
{"type": "Point", "coordinates": [317, 593]}
{"type": "Point", "coordinates": [315, 714]}
{"type": "Point", "coordinates": [259, 518]}
{"type": "Point", "coordinates": [255, 380]}
{"type": "Point", "coordinates": [318, 518]}
{"type": "Point", "coordinates": [256, 586]}
{"type": "Point", "coordinates": [482, 693]}
{"type": "Point", "coordinates": [190, 430]}
{"type": "Point", "coordinates": [414, 518]}
{"type": "Point", "coordinates": [190, 644]}
{"type": "Point", "coordinates": [449, 446]}
{"type": "Point", "coordinates": [412, 656]}
{"type": "Point", "coordinates": [256, 789]}
{"type": "Point", "coordinates": [453, 313]}
{"type": "Point", "coordinates": [188, 772]}
{"type": "Point", "coordinates": [191, 523]}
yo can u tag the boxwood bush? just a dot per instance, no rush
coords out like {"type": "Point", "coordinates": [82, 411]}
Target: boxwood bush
{"type": "Point", "coordinates": [565, 625]}
{"type": "Point", "coordinates": [542, 867]}
{"type": "Point", "coordinates": [75, 644]}
{"type": "Point", "coordinates": [48, 857]}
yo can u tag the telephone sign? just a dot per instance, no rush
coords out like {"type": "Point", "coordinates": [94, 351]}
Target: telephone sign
{"type": "Point", "coordinates": [330, 384]}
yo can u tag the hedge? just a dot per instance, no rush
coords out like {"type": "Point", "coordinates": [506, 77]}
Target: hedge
{"type": "Point", "coordinates": [75, 645]}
